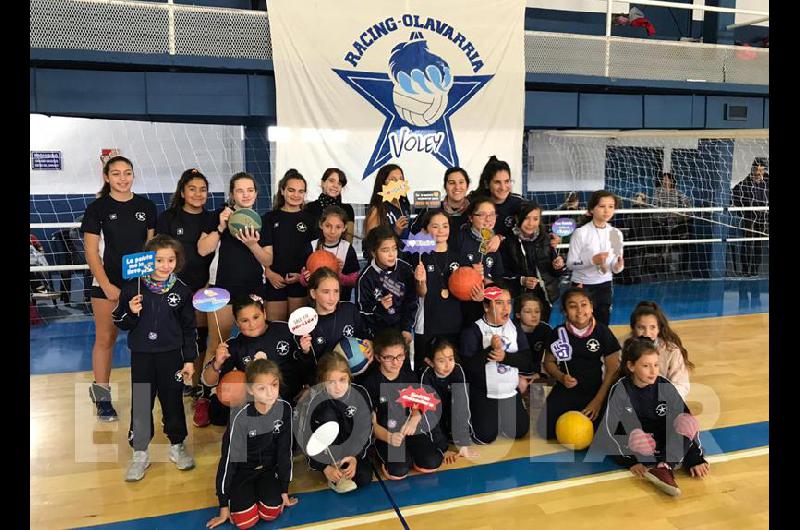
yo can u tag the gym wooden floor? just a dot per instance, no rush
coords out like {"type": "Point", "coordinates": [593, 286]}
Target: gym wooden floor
{"type": "Point", "coordinates": [76, 472]}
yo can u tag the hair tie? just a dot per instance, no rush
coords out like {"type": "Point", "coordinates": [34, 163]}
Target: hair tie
{"type": "Point", "coordinates": [256, 298]}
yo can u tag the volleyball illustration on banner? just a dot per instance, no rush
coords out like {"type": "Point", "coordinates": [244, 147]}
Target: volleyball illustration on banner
{"type": "Point", "coordinates": [421, 82]}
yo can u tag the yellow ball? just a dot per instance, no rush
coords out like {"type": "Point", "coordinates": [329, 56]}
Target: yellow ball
{"type": "Point", "coordinates": [574, 430]}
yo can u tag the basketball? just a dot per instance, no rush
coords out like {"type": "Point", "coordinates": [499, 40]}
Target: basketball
{"type": "Point", "coordinates": [231, 390]}
{"type": "Point", "coordinates": [574, 430]}
{"type": "Point", "coordinates": [241, 218]}
{"type": "Point", "coordinates": [461, 282]}
{"type": "Point", "coordinates": [353, 350]}
{"type": "Point", "coordinates": [321, 258]}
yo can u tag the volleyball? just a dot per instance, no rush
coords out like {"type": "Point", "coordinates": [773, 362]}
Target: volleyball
{"type": "Point", "coordinates": [353, 350]}
{"type": "Point", "coordinates": [420, 109]}
{"type": "Point", "coordinates": [574, 430]}
{"type": "Point", "coordinates": [461, 282]}
{"type": "Point", "coordinates": [321, 258]}
{"type": "Point", "coordinates": [231, 390]}
{"type": "Point", "coordinates": [241, 218]}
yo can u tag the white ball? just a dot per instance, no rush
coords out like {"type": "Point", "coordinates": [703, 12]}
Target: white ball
{"type": "Point", "coordinates": [421, 109]}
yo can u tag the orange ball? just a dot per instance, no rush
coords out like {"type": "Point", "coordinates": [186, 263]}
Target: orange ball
{"type": "Point", "coordinates": [461, 282]}
{"type": "Point", "coordinates": [232, 390]}
{"type": "Point", "coordinates": [322, 258]}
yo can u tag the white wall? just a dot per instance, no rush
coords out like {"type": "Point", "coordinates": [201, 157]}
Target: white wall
{"type": "Point", "coordinates": [160, 152]}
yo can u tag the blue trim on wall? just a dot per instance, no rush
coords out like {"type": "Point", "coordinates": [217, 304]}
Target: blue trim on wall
{"type": "Point", "coordinates": [319, 506]}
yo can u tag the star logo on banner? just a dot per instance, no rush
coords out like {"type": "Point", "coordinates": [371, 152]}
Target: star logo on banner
{"type": "Point", "coordinates": [417, 98]}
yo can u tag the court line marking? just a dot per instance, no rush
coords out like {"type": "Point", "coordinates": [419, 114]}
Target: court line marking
{"type": "Point", "coordinates": [509, 494]}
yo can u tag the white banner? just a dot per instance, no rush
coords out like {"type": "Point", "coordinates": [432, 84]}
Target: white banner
{"type": "Point", "coordinates": [425, 85]}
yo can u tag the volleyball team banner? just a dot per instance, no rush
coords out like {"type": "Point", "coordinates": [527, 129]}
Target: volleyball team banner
{"type": "Point", "coordinates": [425, 85]}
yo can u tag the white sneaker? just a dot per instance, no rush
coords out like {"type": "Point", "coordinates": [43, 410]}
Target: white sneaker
{"type": "Point", "coordinates": [139, 462]}
{"type": "Point", "coordinates": [178, 454]}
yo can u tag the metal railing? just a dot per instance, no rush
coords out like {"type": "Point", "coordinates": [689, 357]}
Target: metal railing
{"type": "Point", "coordinates": [167, 28]}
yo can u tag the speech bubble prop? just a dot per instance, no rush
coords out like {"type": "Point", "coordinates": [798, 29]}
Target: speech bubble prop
{"type": "Point", "coordinates": [418, 398]}
{"type": "Point", "coordinates": [393, 286]}
{"type": "Point", "coordinates": [302, 321]}
{"type": "Point", "coordinates": [322, 438]}
{"type": "Point", "coordinates": [421, 243]}
{"type": "Point", "coordinates": [138, 265]}
{"type": "Point", "coordinates": [563, 226]}
{"type": "Point", "coordinates": [394, 190]}
{"type": "Point", "coordinates": [210, 299]}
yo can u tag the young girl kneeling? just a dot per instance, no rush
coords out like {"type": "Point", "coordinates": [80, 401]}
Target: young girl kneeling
{"type": "Point", "coordinates": [256, 463]}
{"type": "Point", "coordinates": [337, 399]}
{"type": "Point", "coordinates": [647, 426]}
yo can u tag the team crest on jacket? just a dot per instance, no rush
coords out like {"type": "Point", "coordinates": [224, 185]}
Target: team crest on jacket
{"type": "Point", "coordinates": [391, 424]}
{"type": "Point", "coordinates": [173, 299]}
{"type": "Point", "coordinates": [470, 256]}
{"type": "Point", "coordinates": [282, 348]}
{"type": "Point", "coordinates": [140, 216]}
{"type": "Point", "coordinates": [430, 267]}
{"type": "Point", "coordinates": [418, 92]}
{"type": "Point", "coordinates": [247, 360]}
{"type": "Point", "coordinates": [377, 293]}
{"type": "Point", "coordinates": [350, 411]}
{"type": "Point", "coordinates": [347, 331]}
{"type": "Point", "coordinates": [661, 409]}
{"type": "Point", "coordinates": [453, 266]}
{"type": "Point", "coordinates": [301, 227]}
{"type": "Point", "coordinates": [509, 221]}
{"type": "Point", "coordinates": [179, 232]}
{"type": "Point", "coordinates": [489, 262]}
{"type": "Point", "coordinates": [593, 345]}
{"type": "Point", "coordinates": [112, 217]}
{"type": "Point", "coordinates": [320, 340]}
{"type": "Point", "coordinates": [276, 426]}
{"type": "Point", "coordinates": [252, 434]}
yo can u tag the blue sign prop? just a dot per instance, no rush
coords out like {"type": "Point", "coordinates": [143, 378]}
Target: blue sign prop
{"type": "Point", "coordinates": [138, 265]}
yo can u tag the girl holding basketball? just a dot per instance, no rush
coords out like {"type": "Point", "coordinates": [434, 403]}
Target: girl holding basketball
{"type": "Point", "coordinates": [332, 222]}
{"type": "Point", "coordinates": [337, 320]}
{"type": "Point", "coordinates": [648, 320]}
{"type": "Point", "coordinates": [432, 273]}
{"type": "Point", "coordinates": [591, 348]}
{"type": "Point", "coordinates": [120, 222]}
{"type": "Point", "coordinates": [404, 438]}
{"type": "Point", "coordinates": [383, 296]}
{"type": "Point", "coordinates": [337, 399]}
{"type": "Point", "coordinates": [647, 426]}
{"type": "Point", "coordinates": [288, 230]}
{"type": "Point", "coordinates": [595, 253]}
{"type": "Point", "coordinates": [185, 220]}
{"type": "Point", "coordinates": [255, 467]}
{"type": "Point", "coordinates": [258, 339]}
{"type": "Point", "coordinates": [162, 337]}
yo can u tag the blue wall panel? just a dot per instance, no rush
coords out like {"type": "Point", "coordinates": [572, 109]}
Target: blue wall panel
{"type": "Point", "coordinates": [205, 95]}
{"type": "Point", "coordinates": [90, 92]}
{"type": "Point", "coordinates": [610, 110]}
{"type": "Point", "coordinates": [698, 112]}
{"type": "Point", "coordinates": [551, 109]}
{"type": "Point", "coordinates": [32, 86]}
{"type": "Point", "coordinates": [668, 112]}
{"type": "Point", "coordinates": [262, 96]}
{"type": "Point", "coordinates": [766, 113]}
{"type": "Point", "coordinates": [715, 113]}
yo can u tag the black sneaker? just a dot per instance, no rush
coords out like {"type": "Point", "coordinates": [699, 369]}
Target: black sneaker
{"type": "Point", "coordinates": [101, 397]}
